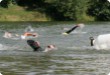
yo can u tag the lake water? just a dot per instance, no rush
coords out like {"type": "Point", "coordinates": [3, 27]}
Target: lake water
{"type": "Point", "coordinates": [74, 56]}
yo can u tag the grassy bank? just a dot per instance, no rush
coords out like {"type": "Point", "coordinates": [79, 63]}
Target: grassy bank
{"type": "Point", "coordinates": [17, 13]}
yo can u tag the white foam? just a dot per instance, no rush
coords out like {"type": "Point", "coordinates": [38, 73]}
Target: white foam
{"type": "Point", "coordinates": [29, 29]}
{"type": "Point", "coordinates": [102, 42]}
{"type": "Point", "coordinates": [0, 0]}
{"type": "Point", "coordinates": [1, 74]}
{"type": "Point", "coordinates": [108, 0]}
{"type": "Point", "coordinates": [3, 47]}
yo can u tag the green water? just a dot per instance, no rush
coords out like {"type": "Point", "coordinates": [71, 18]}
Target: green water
{"type": "Point", "coordinates": [74, 56]}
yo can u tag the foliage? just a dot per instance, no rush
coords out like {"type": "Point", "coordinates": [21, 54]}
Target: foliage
{"type": "Point", "coordinates": [100, 9]}
{"type": "Point", "coordinates": [6, 3]}
{"type": "Point", "coordinates": [70, 9]}
{"type": "Point", "coordinates": [76, 10]}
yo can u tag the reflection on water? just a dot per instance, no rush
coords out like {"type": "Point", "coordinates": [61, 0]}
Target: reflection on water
{"type": "Point", "coordinates": [73, 57]}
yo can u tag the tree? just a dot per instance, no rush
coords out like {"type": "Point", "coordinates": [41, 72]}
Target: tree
{"type": "Point", "coordinates": [100, 9]}
{"type": "Point", "coordinates": [62, 9]}
{"type": "Point", "coordinates": [6, 3]}
{"type": "Point", "coordinates": [81, 7]}
{"type": "Point", "coordinates": [71, 9]}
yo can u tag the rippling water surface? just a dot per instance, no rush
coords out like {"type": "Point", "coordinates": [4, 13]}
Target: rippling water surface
{"type": "Point", "coordinates": [74, 56]}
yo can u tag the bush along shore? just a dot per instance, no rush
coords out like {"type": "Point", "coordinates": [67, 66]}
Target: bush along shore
{"type": "Point", "coordinates": [54, 10]}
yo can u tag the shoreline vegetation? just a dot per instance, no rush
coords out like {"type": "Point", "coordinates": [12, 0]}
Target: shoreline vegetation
{"type": "Point", "coordinates": [55, 10]}
{"type": "Point", "coordinates": [17, 13]}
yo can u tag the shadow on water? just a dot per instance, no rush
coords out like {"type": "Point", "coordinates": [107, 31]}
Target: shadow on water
{"type": "Point", "coordinates": [74, 56]}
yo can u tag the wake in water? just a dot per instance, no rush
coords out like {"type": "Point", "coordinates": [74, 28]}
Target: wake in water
{"type": "Point", "coordinates": [81, 48]}
{"type": "Point", "coordinates": [15, 45]}
{"type": "Point", "coordinates": [78, 32]}
{"type": "Point", "coordinates": [2, 47]}
{"type": "Point", "coordinates": [7, 47]}
{"type": "Point", "coordinates": [27, 34]}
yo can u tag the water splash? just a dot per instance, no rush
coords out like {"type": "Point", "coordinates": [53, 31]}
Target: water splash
{"type": "Point", "coordinates": [108, 0]}
{"type": "Point", "coordinates": [102, 42]}
{"type": "Point", "coordinates": [29, 29]}
{"type": "Point", "coordinates": [8, 47]}
{"type": "Point", "coordinates": [0, 0]}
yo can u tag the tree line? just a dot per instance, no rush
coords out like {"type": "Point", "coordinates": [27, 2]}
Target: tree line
{"type": "Point", "coordinates": [66, 10]}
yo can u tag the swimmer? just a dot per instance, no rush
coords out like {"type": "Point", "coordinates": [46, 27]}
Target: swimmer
{"type": "Point", "coordinates": [36, 46]}
{"type": "Point", "coordinates": [28, 34]}
{"type": "Point", "coordinates": [50, 48]}
{"type": "Point", "coordinates": [72, 29]}
{"type": "Point", "coordinates": [7, 35]}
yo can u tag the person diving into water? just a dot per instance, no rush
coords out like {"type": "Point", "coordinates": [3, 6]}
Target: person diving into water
{"type": "Point", "coordinates": [72, 29]}
{"type": "Point", "coordinates": [36, 46]}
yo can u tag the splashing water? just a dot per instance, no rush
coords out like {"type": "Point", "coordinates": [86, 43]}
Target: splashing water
{"type": "Point", "coordinates": [102, 42]}
{"type": "Point", "coordinates": [29, 29]}
{"type": "Point", "coordinates": [108, 0]}
{"type": "Point", "coordinates": [0, 0]}
{"type": "Point", "coordinates": [4, 47]}
{"type": "Point", "coordinates": [81, 25]}
{"type": "Point", "coordinates": [1, 74]}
